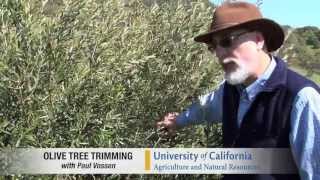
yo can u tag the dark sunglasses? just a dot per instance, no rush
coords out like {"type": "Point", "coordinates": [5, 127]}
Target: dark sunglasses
{"type": "Point", "coordinates": [225, 42]}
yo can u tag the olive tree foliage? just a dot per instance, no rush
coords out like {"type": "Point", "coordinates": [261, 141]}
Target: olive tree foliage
{"type": "Point", "coordinates": [100, 73]}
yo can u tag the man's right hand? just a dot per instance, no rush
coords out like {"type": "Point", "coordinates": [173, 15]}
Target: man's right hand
{"type": "Point", "coordinates": [168, 125]}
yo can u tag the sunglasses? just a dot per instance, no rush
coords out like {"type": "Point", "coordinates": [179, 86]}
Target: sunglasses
{"type": "Point", "coordinates": [225, 42]}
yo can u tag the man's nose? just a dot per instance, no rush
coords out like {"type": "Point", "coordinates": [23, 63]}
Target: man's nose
{"type": "Point", "coordinates": [221, 52]}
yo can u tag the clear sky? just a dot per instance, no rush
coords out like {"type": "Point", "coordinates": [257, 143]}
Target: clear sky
{"type": "Point", "coordinates": [295, 13]}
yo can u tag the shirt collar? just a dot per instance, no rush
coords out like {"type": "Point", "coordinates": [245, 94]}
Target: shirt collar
{"type": "Point", "coordinates": [253, 89]}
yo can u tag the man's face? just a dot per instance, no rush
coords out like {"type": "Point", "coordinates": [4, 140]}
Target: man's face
{"type": "Point", "coordinates": [237, 53]}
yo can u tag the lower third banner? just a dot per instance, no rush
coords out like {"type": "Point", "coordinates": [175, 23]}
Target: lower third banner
{"type": "Point", "coordinates": [147, 161]}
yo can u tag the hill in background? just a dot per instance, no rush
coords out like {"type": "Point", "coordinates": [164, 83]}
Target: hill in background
{"type": "Point", "coordinates": [302, 50]}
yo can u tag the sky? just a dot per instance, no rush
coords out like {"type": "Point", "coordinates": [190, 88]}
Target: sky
{"type": "Point", "coordinates": [295, 13]}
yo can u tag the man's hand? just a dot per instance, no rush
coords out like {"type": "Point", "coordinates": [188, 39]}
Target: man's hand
{"type": "Point", "coordinates": [168, 125]}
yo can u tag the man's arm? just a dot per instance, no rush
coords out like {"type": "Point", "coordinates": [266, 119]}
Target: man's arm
{"type": "Point", "coordinates": [208, 108]}
{"type": "Point", "coordinates": [305, 133]}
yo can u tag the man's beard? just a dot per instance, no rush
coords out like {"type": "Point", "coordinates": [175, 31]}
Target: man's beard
{"type": "Point", "coordinates": [237, 75]}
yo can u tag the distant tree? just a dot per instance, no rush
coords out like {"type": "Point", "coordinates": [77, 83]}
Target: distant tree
{"type": "Point", "coordinates": [313, 41]}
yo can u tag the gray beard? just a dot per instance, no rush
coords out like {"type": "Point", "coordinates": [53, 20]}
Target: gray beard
{"type": "Point", "coordinates": [238, 76]}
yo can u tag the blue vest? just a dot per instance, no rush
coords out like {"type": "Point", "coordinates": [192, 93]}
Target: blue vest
{"type": "Point", "coordinates": [267, 122]}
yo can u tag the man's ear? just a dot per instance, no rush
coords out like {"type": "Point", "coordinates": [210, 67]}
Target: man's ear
{"type": "Point", "coordinates": [260, 40]}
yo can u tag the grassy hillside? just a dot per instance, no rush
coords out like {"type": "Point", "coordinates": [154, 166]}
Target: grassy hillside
{"type": "Point", "coordinates": [302, 51]}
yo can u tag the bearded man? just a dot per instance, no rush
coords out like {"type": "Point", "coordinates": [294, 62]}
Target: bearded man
{"type": "Point", "coordinates": [261, 103]}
